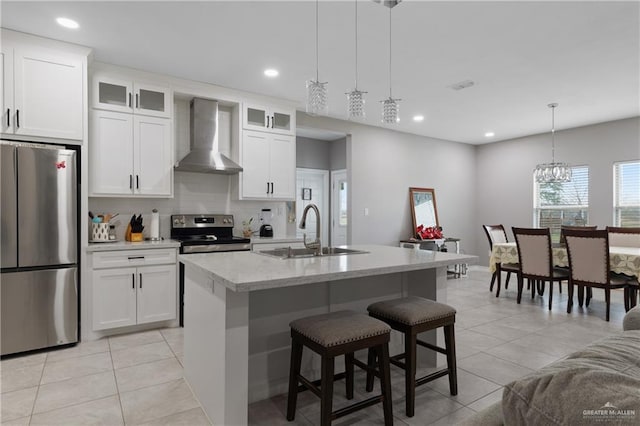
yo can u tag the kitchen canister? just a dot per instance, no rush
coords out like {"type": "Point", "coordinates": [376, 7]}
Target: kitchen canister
{"type": "Point", "coordinates": [100, 231]}
{"type": "Point", "coordinates": [154, 232]}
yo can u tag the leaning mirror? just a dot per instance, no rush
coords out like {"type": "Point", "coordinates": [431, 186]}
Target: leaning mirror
{"type": "Point", "coordinates": [423, 208]}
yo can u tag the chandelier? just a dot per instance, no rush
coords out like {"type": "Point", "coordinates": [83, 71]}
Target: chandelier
{"type": "Point", "coordinates": [317, 91]}
{"type": "Point", "coordinates": [390, 107]}
{"type": "Point", "coordinates": [355, 98]}
{"type": "Point", "coordinates": [553, 172]}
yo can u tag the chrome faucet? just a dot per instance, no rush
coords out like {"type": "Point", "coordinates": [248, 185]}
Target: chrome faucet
{"type": "Point", "coordinates": [315, 244]}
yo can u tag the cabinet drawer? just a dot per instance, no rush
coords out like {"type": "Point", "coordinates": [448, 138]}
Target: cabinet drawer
{"type": "Point", "coordinates": [123, 258]}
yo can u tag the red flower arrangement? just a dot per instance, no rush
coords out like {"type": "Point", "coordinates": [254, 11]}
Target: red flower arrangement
{"type": "Point", "coordinates": [430, 233]}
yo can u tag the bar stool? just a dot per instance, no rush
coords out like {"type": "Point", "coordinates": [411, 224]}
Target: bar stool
{"type": "Point", "coordinates": [411, 316]}
{"type": "Point", "coordinates": [331, 335]}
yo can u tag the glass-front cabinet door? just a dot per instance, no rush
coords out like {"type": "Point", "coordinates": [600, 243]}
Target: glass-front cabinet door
{"type": "Point", "coordinates": [255, 117]}
{"type": "Point", "coordinates": [113, 94]}
{"type": "Point", "coordinates": [128, 96]}
{"type": "Point", "coordinates": [269, 119]}
{"type": "Point", "coordinates": [281, 122]}
{"type": "Point", "coordinates": [152, 100]}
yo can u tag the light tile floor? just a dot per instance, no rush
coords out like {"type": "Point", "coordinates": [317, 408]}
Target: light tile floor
{"type": "Point", "coordinates": [137, 379]}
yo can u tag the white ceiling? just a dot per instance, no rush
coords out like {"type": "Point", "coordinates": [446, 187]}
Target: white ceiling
{"type": "Point", "coordinates": [521, 55]}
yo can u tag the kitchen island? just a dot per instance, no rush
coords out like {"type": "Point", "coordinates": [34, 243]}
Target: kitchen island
{"type": "Point", "coordinates": [238, 307]}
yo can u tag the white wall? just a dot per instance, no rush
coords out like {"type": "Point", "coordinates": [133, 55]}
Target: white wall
{"type": "Point", "coordinates": [504, 174]}
{"type": "Point", "coordinates": [383, 164]}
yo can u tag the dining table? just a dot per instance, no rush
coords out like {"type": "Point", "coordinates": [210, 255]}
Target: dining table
{"type": "Point", "coordinates": [622, 260]}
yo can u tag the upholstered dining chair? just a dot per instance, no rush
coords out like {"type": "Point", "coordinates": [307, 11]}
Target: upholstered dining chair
{"type": "Point", "coordinates": [576, 228]}
{"type": "Point", "coordinates": [624, 237]}
{"type": "Point", "coordinates": [536, 260]}
{"type": "Point", "coordinates": [563, 242]}
{"type": "Point", "coordinates": [588, 253]}
{"type": "Point", "coordinates": [497, 234]}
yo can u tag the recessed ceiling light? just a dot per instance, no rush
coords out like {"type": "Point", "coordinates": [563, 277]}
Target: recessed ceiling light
{"type": "Point", "coordinates": [271, 72]}
{"type": "Point", "coordinates": [418, 118]}
{"type": "Point", "coordinates": [489, 135]}
{"type": "Point", "coordinates": [68, 23]}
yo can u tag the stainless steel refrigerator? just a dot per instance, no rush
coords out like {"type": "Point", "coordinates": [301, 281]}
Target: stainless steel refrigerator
{"type": "Point", "coordinates": [39, 275]}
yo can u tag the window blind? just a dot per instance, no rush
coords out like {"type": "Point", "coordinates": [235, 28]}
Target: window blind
{"type": "Point", "coordinates": [565, 194]}
{"type": "Point", "coordinates": [626, 190]}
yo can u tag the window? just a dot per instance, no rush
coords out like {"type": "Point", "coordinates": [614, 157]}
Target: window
{"type": "Point", "coordinates": [626, 194]}
{"type": "Point", "coordinates": [566, 203]}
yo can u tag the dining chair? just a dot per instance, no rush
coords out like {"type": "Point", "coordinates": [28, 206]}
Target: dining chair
{"type": "Point", "coordinates": [536, 260]}
{"type": "Point", "coordinates": [588, 253]}
{"type": "Point", "coordinates": [497, 234]}
{"type": "Point", "coordinates": [575, 228]}
{"type": "Point", "coordinates": [623, 236]}
{"type": "Point", "coordinates": [562, 241]}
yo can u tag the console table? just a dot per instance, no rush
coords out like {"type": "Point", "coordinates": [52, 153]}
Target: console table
{"type": "Point", "coordinates": [458, 269]}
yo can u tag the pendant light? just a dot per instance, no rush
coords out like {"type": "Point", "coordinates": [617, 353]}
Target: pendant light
{"type": "Point", "coordinates": [390, 105]}
{"type": "Point", "coordinates": [553, 172]}
{"type": "Point", "coordinates": [355, 98]}
{"type": "Point", "coordinates": [316, 91]}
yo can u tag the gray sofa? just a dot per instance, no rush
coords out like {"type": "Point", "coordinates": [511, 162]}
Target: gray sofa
{"type": "Point", "coordinates": [598, 384]}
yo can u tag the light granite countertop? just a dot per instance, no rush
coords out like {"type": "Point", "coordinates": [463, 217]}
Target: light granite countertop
{"type": "Point", "coordinates": [127, 245]}
{"type": "Point", "coordinates": [250, 271]}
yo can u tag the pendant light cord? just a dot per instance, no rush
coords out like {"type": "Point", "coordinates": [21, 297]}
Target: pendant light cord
{"type": "Point", "coordinates": [356, 26]}
{"type": "Point", "coordinates": [390, 96]}
{"type": "Point", "coordinates": [317, 72]}
{"type": "Point", "coordinates": [553, 132]}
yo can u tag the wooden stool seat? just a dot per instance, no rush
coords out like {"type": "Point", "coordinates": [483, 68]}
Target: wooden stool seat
{"type": "Point", "coordinates": [331, 335]}
{"type": "Point", "coordinates": [411, 316]}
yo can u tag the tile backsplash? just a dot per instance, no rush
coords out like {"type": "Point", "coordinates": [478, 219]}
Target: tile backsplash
{"type": "Point", "coordinates": [194, 193]}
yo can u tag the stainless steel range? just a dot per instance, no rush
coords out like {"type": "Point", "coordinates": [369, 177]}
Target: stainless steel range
{"type": "Point", "coordinates": [204, 233]}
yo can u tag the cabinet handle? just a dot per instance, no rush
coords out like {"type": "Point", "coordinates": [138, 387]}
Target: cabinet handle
{"type": "Point", "coordinates": [272, 187]}
{"type": "Point", "coordinates": [136, 100]}
{"type": "Point", "coordinates": [17, 118]}
{"type": "Point", "coordinates": [133, 281]}
{"type": "Point", "coordinates": [137, 182]}
{"type": "Point", "coordinates": [135, 257]}
{"type": "Point", "coordinates": [267, 121]}
{"type": "Point", "coordinates": [8, 117]}
{"type": "Point", "coordinates": [130, 181]}
{"type": "Point", "coordinates": [273, 119]}
{"type": "Point", "coordinates": [129, 99]}
{"type": "Point", "coordinates": [267, 187]}
{"type": "Point", "coordinates": [140, 281]}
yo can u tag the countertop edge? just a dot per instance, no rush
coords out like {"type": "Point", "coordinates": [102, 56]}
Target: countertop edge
{"type": "Point", "coordinates": [127, 245]}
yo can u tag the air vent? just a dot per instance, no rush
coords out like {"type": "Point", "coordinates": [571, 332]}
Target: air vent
{"type": "Point", "coordinates": [462, 85]}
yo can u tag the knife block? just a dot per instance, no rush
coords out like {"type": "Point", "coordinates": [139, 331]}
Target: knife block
{"type": "Point", "coordinates": [133, 236]}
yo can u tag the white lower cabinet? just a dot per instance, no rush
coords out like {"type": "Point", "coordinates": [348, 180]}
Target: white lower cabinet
{"type": "Point", "coordinates": [133, 295]}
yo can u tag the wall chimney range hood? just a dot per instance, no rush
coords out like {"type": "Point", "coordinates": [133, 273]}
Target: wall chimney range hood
{"type": "Point", "coordinates": [205, 156]}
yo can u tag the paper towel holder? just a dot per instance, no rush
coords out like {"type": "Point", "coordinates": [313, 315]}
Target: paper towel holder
{"type": "Point", "coordinates": [154, 230]}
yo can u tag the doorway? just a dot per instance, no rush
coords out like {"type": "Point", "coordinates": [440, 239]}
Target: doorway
{"type": "Point", "coordinates": [339, 212]}
{"type": "Point", "coordinates": [312, 187]}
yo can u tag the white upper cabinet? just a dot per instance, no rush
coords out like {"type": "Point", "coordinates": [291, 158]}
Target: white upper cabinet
{"type": "Point", "coordinates": [116, 94]}
{"type": "Point", "coordinates": [42, 89]}
{"type": "Point", "coordinates": [269, 119]}
{"type": "Point", "coordinates": [130, 155]}
{"type": "Point", "coordinates": [269, 163]}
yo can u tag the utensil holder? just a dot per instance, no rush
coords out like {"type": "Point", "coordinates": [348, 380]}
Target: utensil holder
{"type": "Point", "coordinates": [137, 236]}
{"type": "Point", "coordinates": [100, 231]}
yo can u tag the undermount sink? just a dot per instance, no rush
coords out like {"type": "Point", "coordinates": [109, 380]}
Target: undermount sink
{"type": "Point", "coordinates": [292, 253]}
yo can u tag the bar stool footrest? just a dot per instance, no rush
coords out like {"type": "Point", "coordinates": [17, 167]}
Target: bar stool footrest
{"type": "Point", "coordinates": [357, 406]}
{"type": "Point", "coordinates": [432, 376]}
{"type": "Point", "coordinates": [313, 386]}
{"type": "Point", "coordinates": [430, 346]}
